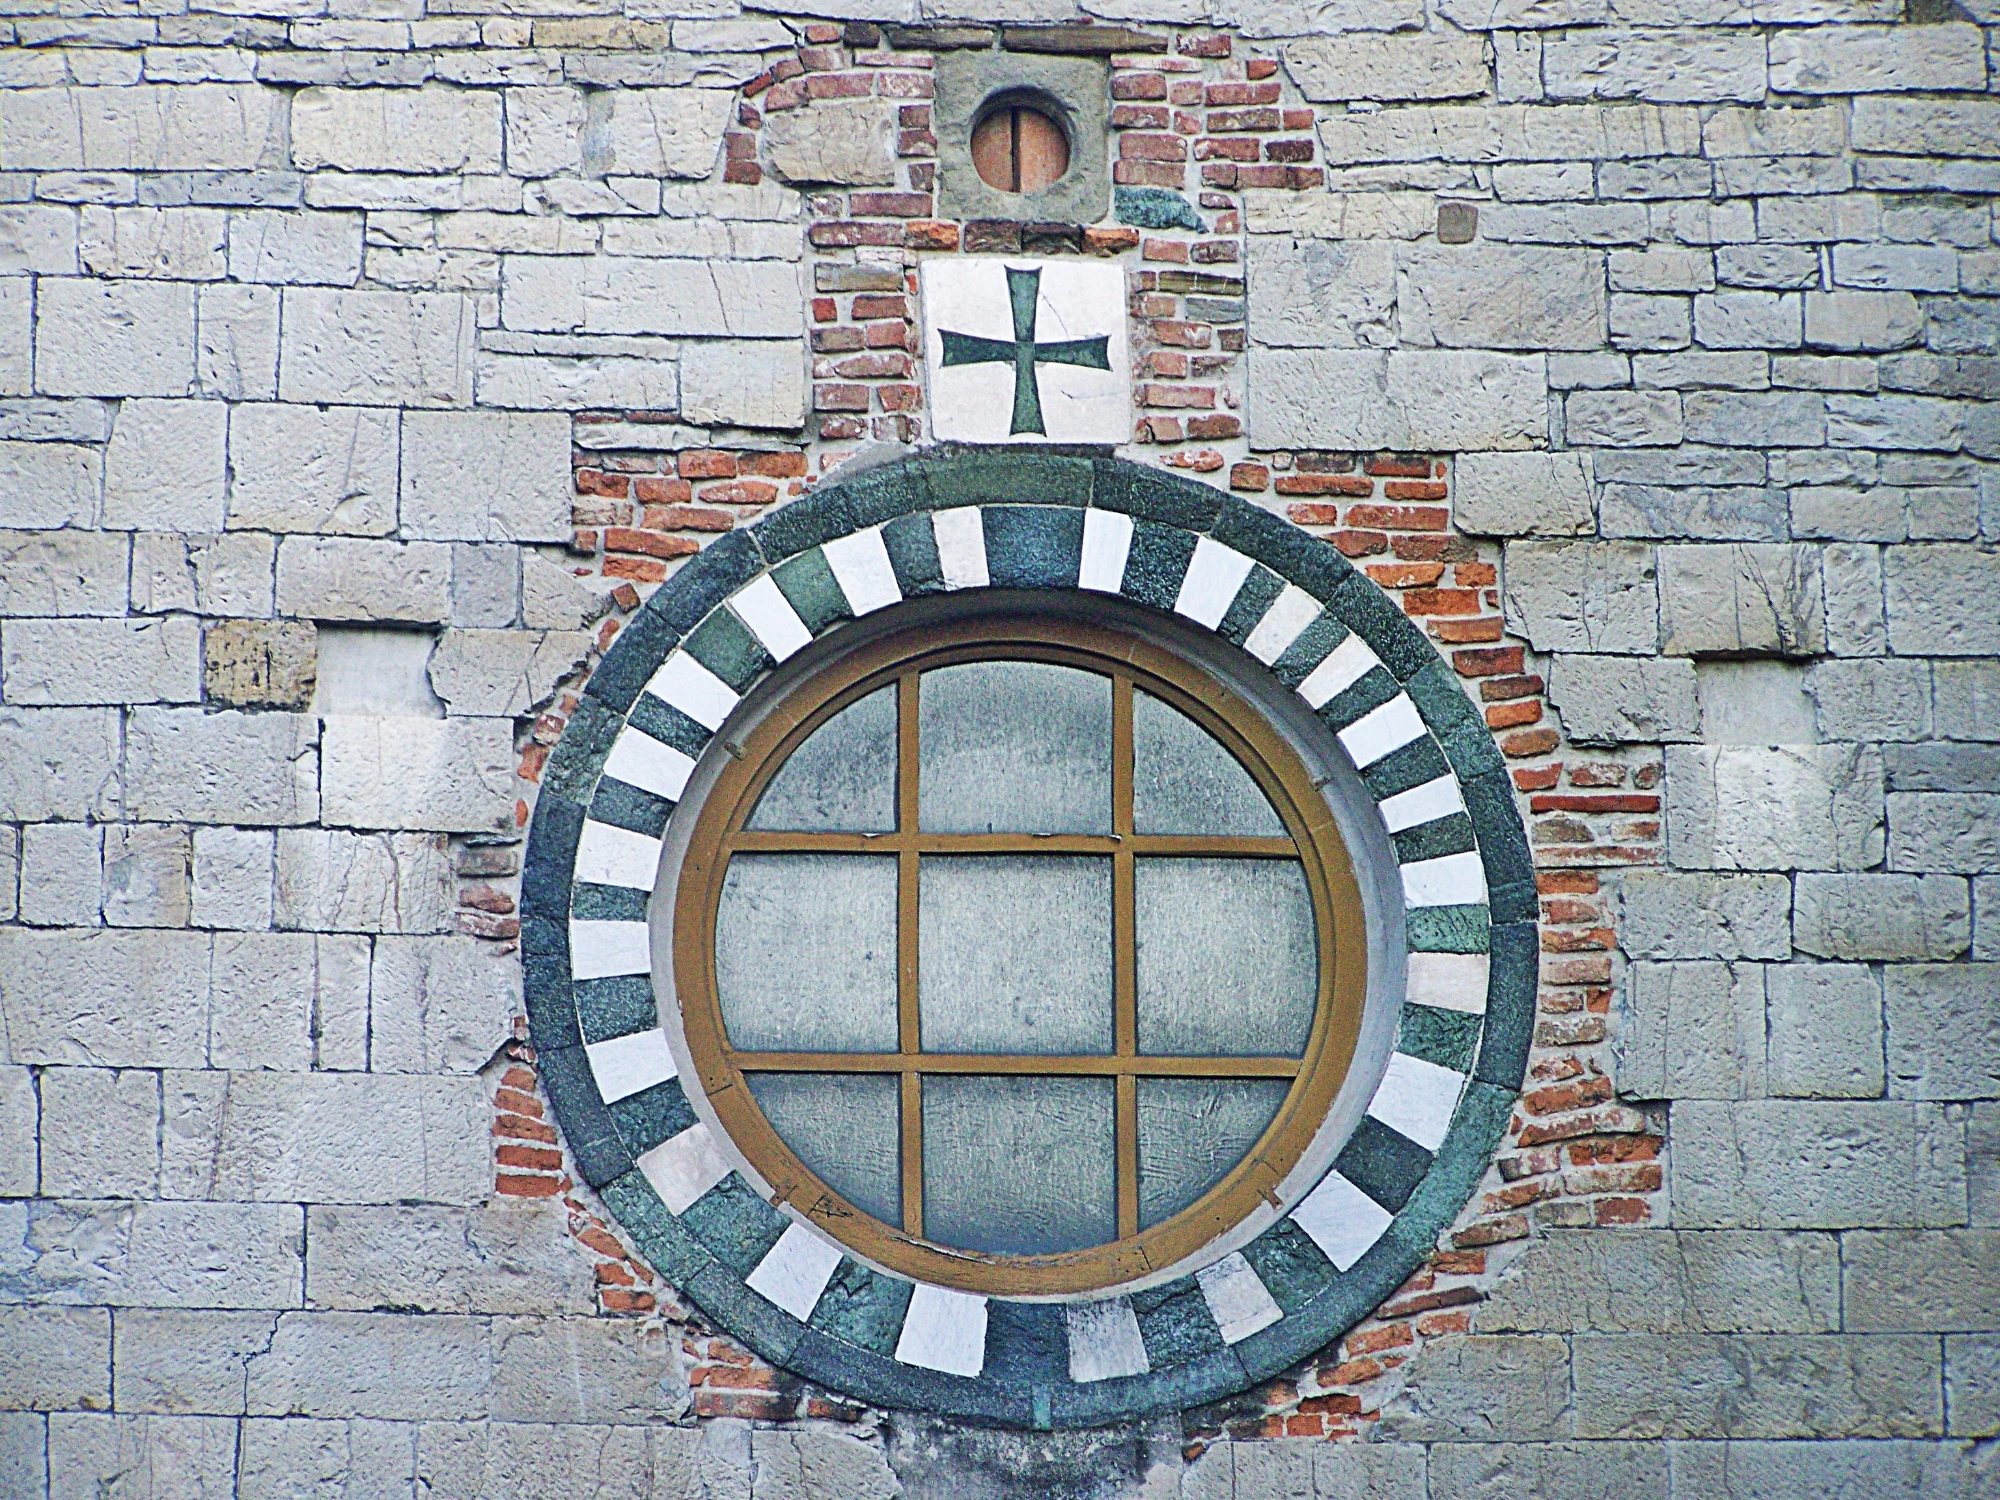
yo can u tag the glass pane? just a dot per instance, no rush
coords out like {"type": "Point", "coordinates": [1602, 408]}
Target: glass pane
{"type": "Point", "coordinates": [846, 1128]}
{"type": "Point", "coordinates": [843, 778]}
{"type": "Point", "coordinates": [1183, 781]}
{"type": "Point", "coordinates": [805, 952]}
{"type": "Point", "coordinates": [1192, 1132]}
{"type": "Point", "coordinates": [1014, 953]}
{"type": "Point", "coordinates": [1014, 747]}
{"type": "Point", "coordinates": [1227, 956]}
{"type": "Point", "coordinates": [1019, 1166]}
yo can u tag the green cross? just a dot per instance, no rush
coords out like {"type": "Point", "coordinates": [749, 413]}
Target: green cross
{"type": "Point", "coordinates": [1023, 289]}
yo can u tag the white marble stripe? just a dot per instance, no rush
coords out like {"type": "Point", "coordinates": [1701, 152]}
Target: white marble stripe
{"type": "Point", "coordinates": [961, 544]}
{"type": "Point", "coordinates": [763, 607]}
{"type": "Point", "coordinates": [624, 1065]}
{"type": "Point", "coordinates": [1238, 1298]}
{"type": "Point", "coordinates": [1104, 1341]}
{"type": "Point", "coordinates": [1282, 624]}
{"type": "Point", "coordinates": [944, 1330]}
{"type": "Point", "coordinates": [693, 689]}
{"type": "Point", "coordinates": [1448, 981]}
{"type": "Point", "coordinates": [1382, 730]}
{"type": "Point", "coordinates": [1341, 1219]}
{"type": "Point", "coordinates": [861, 566]}
{"type": "Point", "coordinates": [1438, 798]}
{"type": "Point", "coordinates": [1107, 539]}
{"type": "Point", "coordinates": [795, 1271]}
{"type": "Point", "coordinates": [1452, 880]}
{"type": "Point", "coordinates": [1345, 665]}
{"type": "Point", "coordinates": [1214, 575]}
{"type": "Point", "coordinates": [684, 1167]}
{"type": "Point", "coordinates": [1416, 1098]}
{"type": "Point", "coordinates": [609, 855]}
{"type": "Point", "coordinates": [603, 950]}
{"type": "Point", "coordinates": [649, 764]}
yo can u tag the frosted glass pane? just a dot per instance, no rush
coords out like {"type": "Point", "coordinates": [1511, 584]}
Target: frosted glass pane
{"type": "Point", "coordinates": [1192, 1132]}
{"type": "Point", "coordinates": [842, 779]}
{"type": "Point", "coordinates": [1019, 1166]}
{"type": "Point", "coordinates": [1227, 957]}
{"type": "Point", "coordinates": [1014, 747]}
{"type": "Point", "coordinates": [805, 952]}
{"type": "Point", "coordinates": [846, 1128]}
{"type": "Point", "coordinates": [1183, 781]}
{"type": "Point", "coordinates": [1014, 953]}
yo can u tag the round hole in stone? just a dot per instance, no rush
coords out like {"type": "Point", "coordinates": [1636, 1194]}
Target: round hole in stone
{"type": "Point", "coordinates": [1019, 148]}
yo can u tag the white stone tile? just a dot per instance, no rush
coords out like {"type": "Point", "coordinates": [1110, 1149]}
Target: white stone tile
{"type": "Point", "coordinates": [795, 1271]}
{"type": "Point", "coordinates": [1214, 575]}
{"type": "Point", "coordinates": [603, 950]}
{"type": "Point", "coordinates": [626, 1065]}
{"type": "Point", "coordinates": [1345, 665]}
{"type": "Point", "coordinates": [1422, 804]}
{"type": "Point", "coordinates": [649, 764]}
{"type": "Point", "coordinates": [1449, 981]}
{"type": "Point", "coordinates": [1382, 730]}
{"type": "Point", "coordinates": [763, 606]}
{"type": "Point", "coordinates": [1282, 624]}
{"type": "Point", "coordinates": [683, 1168]}
{"type": "Point", "coordinates": [860, 565]}
{"type": "Point", "coordinates": [1416, 1098]}
{"type": "Point", "coordinates": [1107, 539]}
{"type": "Point", "coordinates": [1454, 880]}
{"type": "Point", "coordinates": [1238, 1298]}
{"type": "Point", "coordinates": [608, 855]}
{"type": "Point", "coordinates": [1104, 1341]}
{"type": "Point", "coordinates": [961, 544]}
{"type": "Point", "coordinates": [1341, 1219]}
{"type": "Point", "coordinates": [693, 689]}
{"type": "Point", "coordinates": [944, 1330]}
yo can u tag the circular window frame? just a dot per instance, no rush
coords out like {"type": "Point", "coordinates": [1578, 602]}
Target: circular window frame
{"type": "Point", "coordinates": [1340, 930]}
{"type": "Point", "coordinates": [1036, 101]}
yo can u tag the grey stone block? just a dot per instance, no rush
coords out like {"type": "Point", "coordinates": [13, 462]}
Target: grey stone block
{"type": "Point", "coordinates": [55, 1358]}
{"type": "Point", "coordinates": [1757, 1386]}
{"type": "Point", "coordinates": [1368, 1471]}
{"type": "Point", "coordinates": [1935, 600]}
{"type": "Point", "coordinates": [1941, 768]}
{"type": "Point", "coordinates": [62, 874]}
{"type": "Point", "coordinates": [1763, 419]}
{"type": "Point", "coordinates": [1897, 917]}
{"type": "Point", "coordinates": [1716, 513]}
{"type": "Point", "coordinates": [1783, 807]}
{"type": "Point", "coordinates": [485, 584]}
{"type": "Point", "coordinates": [24, 1453]}
{"type": "Point", "coordinates": [62, 573]}
{"type": "Point", "coordinates": [1554, 297]}
{"type": "Point", "coordinates": [1972, 1386]}
{"type": "Point", "coordinates": [1986, 917]}
{"type": "Point", "coordinates": [19, 1120]}
{"type": "Point", "coordinates": [353, 578]}
{"type": "Point", "coordinates": [1576, 1471]}
{"type": "Point", "coordinates": [504, 673]}
{"type": "Point", "coordinates": [1755, 702]}
{"type": "Point", "coordinates": [1856, 624]}
{"type": "Point", "coordinates": [1443, 400]}
{"type": "Point", "coordinates": [1484, 1388]}
{"type": "Point", "coordinates": [401, 1366]}
{"type": "Point", "coordinates": [105, 999]}
{"type": "Point", "coordinates": [1522, 494]}
{"type": "Point", "coordinates": [146, 875]}
{"type": "Point", "coordinates": [100, 1133]}
{"type": "Point", "coordinates": [1952, 832]}
{"type": "Point", "coordinates": [1691, 1031]}
{"type": "Point", "coordinates": [10, 873]}
{"type": "Point", "coordinates": [232, 878]}
{"type": "Point", "coordinates": [1825, 1031]}
{"type": "Point", "coordinates": [177, 1362]}
{"type": "Point", "coordinates": [505, 1257]}
{"type": "Point", "coordinates": [361, 1458]}
{"type": "Point", "coordinates": [626, 1371]}
{"type": "Point", "coordinates": [158, 1254]}
{"type": "Point", "coordinates": [1584, 596]}
{"type": "Point", "coordinates": [1921, 1281]}
{"type": "Point", "coordinates": [1315, 293]}
{"type": "Point", "coordinates": [453, 775]}
{"type": "Point", "coordinates": [1623, 419]}
{"type": "Point", "coordinates": [1727, 600]}
{"type": "Point", "coordinates": [332, 881]}
{"type": "Point", "coordinates": [1813, 1470]}
{"type": "Point", "coordinates": [486, 476]}
{"type": "Point", "coordinates": [166, 468]}
{"type": "Point", "coordinates": [114, 338]}
{"type": "Point", "coordinates": [1623, 700]}
{"type": "Point", "coordinates": [183, 765]}
{"type": "Point", "coordinates": [1966, 699]}
{"type": "Point", "coordinates": [272, 993]}
{"type": "Point", "coordinates": [376, 348]}
{"type": "Point", "coordinates": [150, 1458]}
{"type": "Point", "coordinates": [62, 662]}
{"type": "Point", "coordinates": [1944, 1030]}
{"type": "Point", "coordinates": [537, 1461]}
{"type": "Point", "coordinates": [1795, 1164]}
{"type": "Point", "coordinates": [313, 469]}
{"type": "Point", "coordinates": [440, 1005]}
{"type": "Point", "coordinates": [1872, 700]}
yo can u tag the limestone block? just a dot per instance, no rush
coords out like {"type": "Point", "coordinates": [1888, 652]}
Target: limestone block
{"type": "Point", "coordinates": [45, 485]}
{"type": "Point", "coordinates": [486, 476]}
{"type": "Point", "coordinates": [388, 1365]}
{"type": "Point", "coordinates": [151, 128]}
{"type": "Point", "coordinates": [1937, 600]}
{"type": "Point", "coordinates": [1797, 1471]}
{"type": "Point", "coordinates": [1894, 422]}
{"type": "Point", "coordinates": [547, 1461]}
{"type": "Point", "coordinates": [62, 874]}
{"type": "Point", "coordinates": [58, 763]}
{"type": "Point", "coordinates": [1322, 294]}
{"type": "Point", "coordinates": [1492, 296]}
{"type": "Point", "coordinates": [429, 129]}
{"type": "Point", "coordinates": [1944, 1030]}
{"type": "Point", "coordinates": [1940, 1282]}
{"type": "Point", "coordinates": [268, 991]}
{"type": "Point", "coordinates": [619, 294]}
{"type": "Point", "coordinates": [1613, 700]}
{"type": "Point", "coordinates": [236, 343]}
{"type": "Point", "coordinates": [1894, 917]}
{"type": "Point", "coordinates": [1773, 419]}
{"type": "Point", "coordinates": [1698, 66]}
{"type": "Point", "coordinates": [1728, 599]}
{"type": "Point", "coordinates": [1825, 1031]}
{"type": "Point", "coordinates": [544, 131]}
{"type": "Point", "coordinates": [454, 775]}
{"type": "Point", "coordinates": [179, 244]}
{"type": "Point", "coordinates": [55, 662]}
{"type": "Point", "coordinates": [1972, 1385]}
{"type": "Point", "coordinates": [1886, 513]}
{"type": "Point", "coordinates": [440, 1005]}
{"type": "Point", "coordinates": [1982, 1146]}
{"type": "Point", "coordinates": [100, 1133]}
{"type": "Point", "coordinates": [172, 1361]}
{"type": "Point", "coordinates": [19, 1115]}
{"type": "Point", "coordinates": [1966, 699]}
{"type": "Point", "coordinates": [1755, 702]}
{"type": "Point", "coordinates": [806, 1462]}
{"type": "Point", "coordinates": [1781, 807]}
{"type": "Point", "coordinates": [1422, 399]}
{"type": "Point", "coordinates": [1668, 914]}
{"type": "Point", "coordinates": [377, 348]}
{"type": "Point", "coordinates": [505, 1257]}
{"type": "Point", "coordinates": [1483, 1388]}
{"type": "Point", "coordinates": [62, 573]}
{"type": "Point", "coordinates": [533, 382]}
{"type": "Point", "coordinates": [183, 765]}
{"type": "Point", "coordinates": [504, 673]}
{"type": "Point", "coordinates": [331, 881]}
{"type": "Point", "coordinates": [485, 585]}
{"type": "Point", "coordinates": [1855, 621]}
{"type": "Point", "coordinates": [343, 578]}
{"type": "Point", "coordinates": [260, 663]}
{"type": "Point", "coordinates": [1862, 320]}
{"type": "Point", "coordinates": [851, 142]}
{"type": "Point", "coordinates": [627, 1371]}
{"type": "Point", "coordinates": [1523, 494]}
{"type": "Point", "coordinates": [114, 338]}
{"type": "Point", "coordinates": [1467, 1471]}
{"type": "Point", "coordinates": [1950, 832]}
{"type": "Point", "coordinates": [17, 336]}
{"type": "Point", "coordinates": [1623, 419]}
{"type": "Point", "coordinates": [232, 878]}
{"type": "Point", "coordinates": [293, 248]}
{"type": "Point", "coordinates": [1583, 596]}
{"type": "Point", "coordinates": [1440, 64]}
{"type": "Point", "coordinates": [1811, 1164]}
{"type": "Point", "coordinates": [1691, 1031]}
{"type": "Point", "coordinates": [147, 1457]}
{"type": "Point", "coordinates": [743, 383]}
{"type": "Point", "coordinates": [105, 999]}
{"type": "Point", "coordinates": [146, 875]}
{"type": "Point", "coordinates": [674, 132]}
{"type": "Point", "coordinates": [37, 238]}
{"type": "Point", "coordinates": [1749, 320]}
{"type": "Point", "coordinates": [1877, 700]}
{"type": "Point", "coordinates": [1393, 215]}
{"type": "Point", "coordinates": [55, 1358]}
{"type": "Point", "coordinates": [554, 598]}
{"type": "Point", "coordinates": [313, 468]}
{"type": "Point", "coordinates": [1941, 767]}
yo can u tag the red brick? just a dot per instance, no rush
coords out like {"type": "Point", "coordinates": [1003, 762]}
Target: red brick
{"type": "Point", "coordinates": [1109, 239]}
{"type": "Point", "coordinates": [1601, 802]}
{"type": "Point", "coordinates": [1225, 149]}
{"type": "Point", "coordinates": [889, 335]}
{"type": "Point", "coordinates": [1487, 662]}
{"type": "Point", "coordinates": [1138, 86]}
{"type": "Point", "coordinates": [1252, 478]}
{"type": "Point", "coordinates": [1399, 466]}
{"type": "Point", "coordinates": [1326, 484]}
{"type": "Point", "coordinates": [516, 1186]}
{"type": "Point", "coordinates": [1176, 397]}
{"type": "Point", "coordinates": [653, 489]}
{"type": "Point", "coordinates": [838, 86]}
{"type": "Point", "coordinates": [741, 492]}
{"type": "Point", "coordinates": [929, 234]}
{"type": "Point", "coordinates": [1216, 44]}
{"type": "Point", "coordinates": [1288, 151]}
{"type": "Point", "coordinates": [774, 465]}
{"type": "Point", "coordinates": [1140, 117]}
{"type": "Point", "coordinates": [835, 340]}
{"type": "Point", "coordinates": [1174, 252]}
{"type": "Point", "coordinates": [1439, 601]}
{"type": "Point", "coordinates": [904, 85]}
{"type": "Point", "coordinates": [1260, 67]}
{"type": "Point", "coordinates": [1475, 574]}
{"type": "Point", "coordinates": [889, 206]}
{"type": "Point", "coordinates": [690, 518]}
{"type": "Point", "coordinates": [1503, 689]}
{"type": "Point", "coordinates": [890, 364]}
{"type": "Point", "coordinates": [1405, 489]}
{"type": "Point", "coordinates": [744, 173]}
{"type": "Point", "coordinates": [1461, 632]}
{"type": "Point", "coordinates": [1358, 543]}
{"type": "Point", "coordinates": [1400, 517]}
{"type": "Point", "coordinates": [880, 305]}
{"type": "Point", "coordinates": [1184, 335]}
{"type": "Point", "coordinates": [596, 482]}
{"type": "Point", "coordinates": [1514, 715]}
{"type": "Point", "coordinates": [706, 463]}
{"type": "Point", "coordinates": [1222, 94]}
{"type": "Point", "coordinates": [1230, 121]}
{"type": "Point", "coordinates": [1143, 147]}
{"type": "Point", "coordinates": [1532, 779]}
{"type": "Point", "coordinates": [1221, 425]}
{"type": "Point", "coordinates": [840, 398]}
{"type": "Point", "coordinates": [651, 543]}
{"type": "Point", "coordinates": [914, 116]}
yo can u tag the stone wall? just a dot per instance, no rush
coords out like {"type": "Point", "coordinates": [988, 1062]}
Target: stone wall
{"type": "Point", "coordinates": [361, 366]}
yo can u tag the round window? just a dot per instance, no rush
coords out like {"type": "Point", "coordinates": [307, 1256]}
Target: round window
{"type": "Point", "coordinates": [1019, 954]}
{"type": "Point", "coordinates": [1018, 148]}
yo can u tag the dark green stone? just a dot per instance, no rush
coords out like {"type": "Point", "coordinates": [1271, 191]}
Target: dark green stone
{"type": "Point", "coordinates": [862, 1307]}
{"type": "Point", "coordinates": [1448, 1038]}
{"type": "Point", "coordinates": [668, 725]}
{"type": "Point", "coordinates": [665, 1244]}
{"type": "Point", "coordinates": [1359, 698]}
{"type": "Point", "coordinates": [578, 757]}
{"type": "Point", "coordinates": [545, 983]}
{"type": "Point", "coordinates": [1155, 208]}
{"type": "Point", "coordinates": [708, 578]}
{"type": "Point", "coordinates": [1312, 646]}
{"type": "Point", "coordinates": [1446, 929]}
{"type": "Point", "coordinates": [913, 554]}
{"type": "Point", "coordinates": [808, 584]}
{"type": "Point", "coordinates": [1294, 555]}
{"type": "Point", "coordinates": [1156, 563]}
{"type": "Point", "coordinates": [1405, 767]}
{"type": "Point", "coordinates": [1452, 835]}
{"type": "Point", "coordinates": [635, 655]}
{"type": "Point", "coordinates": [1349, 1297]}
{"type": "Point", "coordinates": [1152, 495]}
{"type": "Point", "coordinates": [878, 495]}
{"type": "Point", "coordinates": [1453, 718]}
{"type": "Point", "coordinates": [1210, 1378]}
{"type": "Point", "coordinates": [738, 1227]}
{"type": "Point", "coordinates": [1253, 601]}
{"type": "Point", "coordinates": [551, 856]}
{"type": "Point", "coordinates": [623, 805]}
{"type": "Point", "coordinates": [617, 1006]}
{"type": "Point", "coordinates": [988, 477]}
{"type": "Point", "coordinates": [1175, 1323]}
{"type": "Point", "coordinates": [1032, 546]}
{"type": "Point", "coordinates": [1461, 1162]}
{"type": "Point", "coordinates": [1518, 902]}
{"type": "Point", "coordinates": [1511, 981]}
{"type": "Point", "coordinates": [606, 903]}
{"type": "Point", "coordinates": [1383, 1163]}
{"type": "Point", "coordinates": [724, 645]}
{"type": "Point", "coordinates": [769, 1331]}
{"type": "Point", "coordinates": [651, 1116]}
{"type": "Point", "coordinates": [586, 1124]}
{"type": "Point", "coordinates": [1377, 619]}
{"type": "Point", "coordinates": [815, 517]}
{"type": "Point", "coordinates": [1027, 1344]}
{"type": "Point", "coordinates": [1503, 846]}
{"type": "Point", "coordinates": [1221, 311]}
{"type": "Point", "coordinates": [1293, 1269]}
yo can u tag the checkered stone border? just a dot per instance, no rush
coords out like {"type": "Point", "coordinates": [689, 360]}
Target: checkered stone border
{"type": "Point", "coordinates": [950, 520]}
